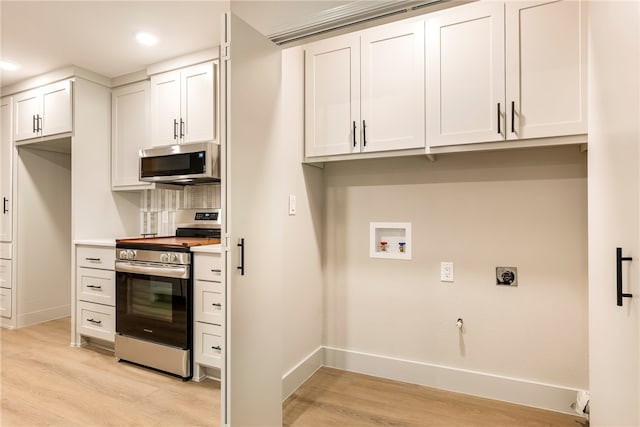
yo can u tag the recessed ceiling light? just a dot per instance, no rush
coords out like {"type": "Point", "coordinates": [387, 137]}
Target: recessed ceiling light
{"type": "Point", "coordinates": [8, 66]}
{"type": "Point", "coordinates": [146, 39]}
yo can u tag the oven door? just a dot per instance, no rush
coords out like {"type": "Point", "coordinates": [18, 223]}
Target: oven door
{"type": "Point", "coordinates": [154, 303]}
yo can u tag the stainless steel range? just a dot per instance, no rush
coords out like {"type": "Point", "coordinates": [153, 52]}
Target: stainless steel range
{"type": "Point", "coordinates": [154, 294]}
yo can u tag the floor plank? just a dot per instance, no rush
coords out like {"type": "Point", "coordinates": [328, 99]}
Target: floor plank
{"type": "Point", "coordinates": [45, 382]}
{"type": "Point", "coordinates": [337, 398]}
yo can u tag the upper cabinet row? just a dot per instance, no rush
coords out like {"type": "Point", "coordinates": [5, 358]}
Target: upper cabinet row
{"type": "Point", "coordinates": [477, 73]}
{"type": "Point", "coordinates": [44, 111]}
{"type": "Point", "coordinates": [175, 107]}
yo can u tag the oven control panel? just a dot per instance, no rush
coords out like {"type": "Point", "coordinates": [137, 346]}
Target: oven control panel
{"type": "Point", "coordinates": [153, 256]}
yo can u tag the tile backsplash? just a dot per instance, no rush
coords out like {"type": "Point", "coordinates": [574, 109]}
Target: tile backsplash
{"type": "Point", "coordinates": [158, 207]}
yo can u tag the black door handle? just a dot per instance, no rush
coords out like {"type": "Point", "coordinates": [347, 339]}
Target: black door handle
{"type": "Point", "coordinates": [241, 266]}
{"type": "Point", "coordinates": [354, 134]}
{"type": "Point", "coordinates": [499, 125]}
{"type": "Point", "coordinates": [513, 117]}
{"type": "Point", "coordinates": [619, 293]}
{"type": "Point", "coordinates": [4, 205]}
{"type": "Point", "coordinates": [364, 133]}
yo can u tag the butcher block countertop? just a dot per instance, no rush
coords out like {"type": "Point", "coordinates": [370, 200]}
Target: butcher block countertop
{"type": "Point", "coordinates": [171, 241]}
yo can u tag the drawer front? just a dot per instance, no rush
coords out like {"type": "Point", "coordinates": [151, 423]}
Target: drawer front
{"type": "Point", "coordinates": [5, 302]}
{"type": "Point", "coordinates": [207, 267]}
{"type": "Point", "coordinates": [96, 320]}
{"type": "Point", "coordinates": [209, 302]}
{"type": "Point", "coordinates": [5, 250]}
{"type": "Point", "coordinates": [96, 285]}
{"type": "Point", "coordinates": [96, 257]}
{"type": "Point", "coordinates": [5, 273]}
{"type": "Point", "coordinates": [208, 345]}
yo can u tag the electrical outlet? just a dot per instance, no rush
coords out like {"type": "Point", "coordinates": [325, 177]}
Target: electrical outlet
{"type": "Point", "coordinates": [292, 204]}
{"type": "Point", "coordinates": [446, 271]}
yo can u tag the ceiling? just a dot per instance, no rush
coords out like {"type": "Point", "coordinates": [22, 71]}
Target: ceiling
{"type": "Point", "coordinates": [42, 36]}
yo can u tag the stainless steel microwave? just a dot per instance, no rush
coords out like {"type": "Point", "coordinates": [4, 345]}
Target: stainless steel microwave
{"type": "Point", "coordinates": [195, 163]}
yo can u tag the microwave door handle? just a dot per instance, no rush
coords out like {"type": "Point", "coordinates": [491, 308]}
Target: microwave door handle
{"type": "Point", "coordinates": [178, 272]}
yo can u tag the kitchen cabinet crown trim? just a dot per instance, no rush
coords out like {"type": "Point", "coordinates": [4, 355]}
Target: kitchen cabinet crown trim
{"type": "Point", "coordinates": [184, 61]}
{"type": "Point", "coordinates": [54, 77]}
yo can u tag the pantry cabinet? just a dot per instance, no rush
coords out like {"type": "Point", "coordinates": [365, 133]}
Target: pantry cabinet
{"type": "Point", "coordinates": [506, 71]}
{"type": "Point", "coordinates": [183, 105]}
{"type": "Point", "coordinates": [364, 92]}
{"type": "Point", "coordinates": [129, 134]}
{"type": "Point", "coordinates": [6, 170]}
{"type": "Point", "coordinates": [44, 111]}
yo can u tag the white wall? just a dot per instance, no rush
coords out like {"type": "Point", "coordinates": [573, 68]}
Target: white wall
{"type": "Point", "coordinates": [302, 237]}
{"type": "Point", "coordinates": [43, 236]}
{"type": "Point", "coordinates": [523, 208]}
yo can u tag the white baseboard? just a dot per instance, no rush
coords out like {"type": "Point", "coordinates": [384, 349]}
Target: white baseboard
{"type": "Point", "coordinates": [302, 372]}
{"type": "Point", "coordinates": [41, 316]}
{"type": "Point", "coordinates": [514, 390]}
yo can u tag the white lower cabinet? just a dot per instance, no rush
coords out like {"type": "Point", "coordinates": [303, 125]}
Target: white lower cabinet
{"type": "Point", "coordinates": [5, 302]}
{"type": "Point", "coordinates": [5, 288]}
{"type": "Point", "coordinates": [209, 314]}
{"type": "Point", "coordinates": [95, 292]}
{"type": "Point", "coordinates": [96, 320]}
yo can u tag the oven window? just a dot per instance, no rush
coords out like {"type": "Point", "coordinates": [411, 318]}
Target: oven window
{"type": "Point", "coordinates": [152, 299]}
{"type": "Point", "coordinates": [154, 308]}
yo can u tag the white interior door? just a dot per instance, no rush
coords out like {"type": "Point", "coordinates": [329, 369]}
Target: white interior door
{"type": "Point", "coordinates": [253, 380]}
{"type": "Point", "coordinates": [392, 78]}
{"type": "Point", "coordinates": [614, 212]}
{"type": "Point", "coordinates": [465, 75]}
{"type": "Point", "coordinates": [6, 160]}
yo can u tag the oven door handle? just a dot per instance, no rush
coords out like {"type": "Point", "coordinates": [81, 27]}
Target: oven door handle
{"type": "Point", "coordinates": [178, 272]}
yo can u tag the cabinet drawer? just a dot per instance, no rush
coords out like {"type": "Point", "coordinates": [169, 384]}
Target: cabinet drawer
{"type": "Point", "coordinates": [209, 302]}
{"type": "Point", "coordinates": [5, 250]}
{"type": "Point", "coordinates": [208, 267]}
{"type": "Point", "coordinates": [208, 345]}
{"type": "Point", "coordinates": [96, 320]}
{"type": "Point", "coordinates": [5, 273]}
{"type": "Point", "coordinates": [96, 285]}
{"type": "Point", "coordinates": [95, 257]}
{"type": "Point", "coordinates": [5, 302]}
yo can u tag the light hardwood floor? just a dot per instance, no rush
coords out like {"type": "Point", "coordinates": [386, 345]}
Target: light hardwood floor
{"type": "Point", "coordinates": [45, 382]}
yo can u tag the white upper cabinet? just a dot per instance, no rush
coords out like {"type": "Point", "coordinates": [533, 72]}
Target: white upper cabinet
{"type": "Point", "coordinates": [44, 111]}
{"type": "Point", "coordinates": [332, 96]}
{"type": "Point", "coordinates": [129, 134]}
{"type": "Point", "coordinates": [546, 67]}
{"type": "Point", "coordinates": [465, 74]}
{"type": "Point", "coordinates": [6, 160]}
{"type": "Point", "coordinates": [364, 92]}
{"type": "Point", "coordinates": [183, 105]}
{"type": "Point", "coordinates": [509, 71]}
